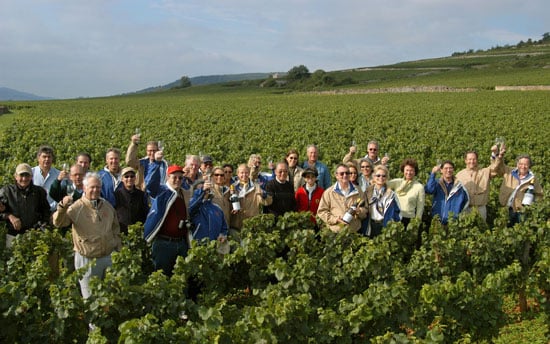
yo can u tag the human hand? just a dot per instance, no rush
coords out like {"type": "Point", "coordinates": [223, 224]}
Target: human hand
{"type": "Point", "coordinates": [62, 175]}
{"type": "Point", "coordinates": [15, 222]}
{"type": "Point", "coordinates": [159, 155]}
{"type": "Point", "coordinates": [385, 160]}
{"type": "Point", "coordinates": [352, 149]}
{"type": "Point", "coordinates": [67, 200]}
{"type": "Point", "coordinates": [436, 169]}
{"type": "Point", "coordinates": [136, 138]}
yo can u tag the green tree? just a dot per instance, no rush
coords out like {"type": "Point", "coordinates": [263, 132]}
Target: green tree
{"type": "Point", "coordinates": [298, 73]}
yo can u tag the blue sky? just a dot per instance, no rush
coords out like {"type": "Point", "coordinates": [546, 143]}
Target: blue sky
{"type": "Point", "coordinates": [72, 48]}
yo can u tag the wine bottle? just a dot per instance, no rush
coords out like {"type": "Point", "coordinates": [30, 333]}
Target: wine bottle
{"type": "Point", "coordinates": [529, 195]}
{"type": "Point", "coordinates": [352, 210]}
{"type": "Point", "coordinates": [234, 199]}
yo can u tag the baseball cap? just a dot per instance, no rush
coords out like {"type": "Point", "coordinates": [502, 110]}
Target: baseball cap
{"type": "Point", "coordinates": [174, 168]}
{"type": "Point", "coordinates": [23, 168]}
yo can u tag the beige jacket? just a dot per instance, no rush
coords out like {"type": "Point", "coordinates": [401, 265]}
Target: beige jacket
{"type": "Point", "coordinates": [96, 232]}
{"type": "Point", "coordinates": [334, 205]}
{"type": "Point", "coordinates": [411, 197]}
{"type": "Point", "coordinates": [477, 182]}
{"type": "Point", "coordinates": [251, 205]}
{"type": "Point", "coordinates": [509, 184]}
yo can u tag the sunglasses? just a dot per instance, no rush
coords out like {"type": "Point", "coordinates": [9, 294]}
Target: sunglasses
{"type": "Point", "coordinates": [219, 175]}
{"type": "Point", "coordinates": [129, 176]}
{"type": "Point", "coordinates": [292, 158]}
{"type": "Point", "coordinates": [341, 174]}
{"type": "Point", "coordinates": [177, 177]}
{"type": "Point", "coordinates": [380, 175]}
{"type": "Point", "coordinates": [373, 149]}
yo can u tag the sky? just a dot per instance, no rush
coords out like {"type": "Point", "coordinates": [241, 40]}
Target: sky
{"type": "Point", "coordinates": [77, 48]}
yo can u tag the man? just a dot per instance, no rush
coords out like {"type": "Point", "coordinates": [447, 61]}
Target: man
{"type": "Point", "coordinates": [61, 187]}
{"type": "Point", "coordinates": [95, 230]}
{"type": "Point", "coordinates": [477, 180]}
{"type": "Point", "coordinates": [206, 165]}
{"type": "Point", "coordinates": [372, 155]}
{"type": "Point", "coordinates": [167, 225]}
{"type": "Point", "coordinates": [338, 199]}
{"type": "Point", "coordinates": [515, 183]}
{"type": "Point", "coordinates": [142, 165]}
{"type": "Point", "coordinates": [85, 160]}
{"type": "Point", "coordinates": [110, 175]}
{"type": "Point", "coordinates": [449, 195]}
{"type": "Point", "coordinates": [131, 203]}
{"type": "Point", "coordinates": [44, 174]}
{"type": "Point", "coordinates": [255, 166]}
{"type": "Point", "coordinates": [281, 191]}
{"type": "Point", "coordinates": [208, 217]}
{"type": "Point", "coordinates": [323, 179]}
{"type": "Point", "coordinates": [23, 205]}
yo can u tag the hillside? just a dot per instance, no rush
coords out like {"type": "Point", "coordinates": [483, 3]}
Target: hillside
{"type": "Point", "coordinates": [11, 94]}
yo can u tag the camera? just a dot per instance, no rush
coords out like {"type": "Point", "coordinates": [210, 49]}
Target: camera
{"type": "Point", "coordinates": [185, 225]}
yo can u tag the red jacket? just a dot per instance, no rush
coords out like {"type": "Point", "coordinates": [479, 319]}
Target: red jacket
{"type": "Point", "coordinates": [303, 202]}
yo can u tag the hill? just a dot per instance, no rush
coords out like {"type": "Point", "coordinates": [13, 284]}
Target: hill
{"type": "Point", "coordinates": [11, 94]}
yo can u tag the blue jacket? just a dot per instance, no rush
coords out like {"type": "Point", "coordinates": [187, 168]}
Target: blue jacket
{"type": "Point", "coordinates": [391, 210]}
{"type": "Point", "coordinates": [207, 217]}
{"type": "Point", "coordinates": [162, 198]}
{"type": "Point", "coordinates": [323, 179]}
{"type": "Point", "coordinates": [108, 186]}
{"type": "Point", "coordinates": [443, 202]}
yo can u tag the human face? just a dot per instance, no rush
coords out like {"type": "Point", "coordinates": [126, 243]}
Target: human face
{"type": "Point", "coordinates": [113, 162]}
{"type": "Point", "coordinates": [243, 174]}
{"type": "Point", "coordinates": [312, 154]}
{"type": "Point", "coordinates": [366, 170]}
{"type": "Point", "coordinates": [409, 172]}
{"type": "Point", "coordinates": [523, 166]}
{"type": "Point", "coordinates": [373, 151]}
{"type": "Point", "coordinates": [193, 166]}
{"type": "Point", "coordinates": [380, 177]}
{"type": "Point", "coordinates": [281, 172]}
{"type": "Point", "coordinates": [83, 161]}
{"type": "Point", "coordinates": [292, 160]}
{"type": "Point", "coordinates": [45, 161]}
{"type": "Point", "coordinates": [129, 180]}
{"type": "Point", "coordinates": [447, 172]}
{"type": "Point", "coordinates": [219, 176]}
{"type": "Point", "coordinates": [92, 191]}
{"type": "Point", "coordinates": [342, 175]}
{"type": "Point", "coordinates": [310, 179]}
{"type": "Point", "coordinates": [175, 180]}
{"type": "Point", "coordinates": [471, 161]}
{"type": "Point", "coordinates": [23, 180]}
{"type": "Point", "coordinates": [353, 174]}
{"type": "Point", "coordinates": [206, 165]}
{"type": "Point", "coordinates": [77, 175]}
{"type": "Point", "coordinates": [151, 149]}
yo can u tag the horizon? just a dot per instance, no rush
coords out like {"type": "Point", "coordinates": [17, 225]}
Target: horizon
{"type": "Point", "coordinates": [61, 49]}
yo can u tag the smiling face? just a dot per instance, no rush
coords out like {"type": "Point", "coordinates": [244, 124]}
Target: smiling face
{"type": "Point", "coordinates": [372, 151]}
{"type": "Point", "coordinates": [342, 175]}
{"type": "Point", "coordinates": [292, 160]}
{"type": "Point", "coordinates": [23, 180]}
{"type": "Point", "coordinates": [447, 171]}
{"type": "Point", "coordinates": [471, 161]}
{"type": "Point", "coordinates": [409, 172]}
{"type": "Point", "coordinates": [312, 154]}
{"type": "Point", "coordinates": [92, 188]}
{"type": "Point", "coordinates": [77, 175]}
{"type": "Point", "coordinates": [523, 166]}
{"type": "Point", "coordinates": [151, 149]}
{"type": "Point", "coordinates": [243, 173]}
{"type": "Point", "coordinates": [113, 162]}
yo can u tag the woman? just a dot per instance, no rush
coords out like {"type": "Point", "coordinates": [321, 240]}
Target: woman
{"type": "Point", "coordinates": [251, 197]}
{"type": "Point", "coordinates": [221, 192]}
{"type": "Point", "coordinates": [308, 196]}
{"type": "Point", "coordinates": [410, 192]}
{"type": "Point", "coordinates": [366, 173]}
{"type": "Point", "coordinates": [382, 202]}
{"type": "Point", "coordinates": [294, 171]}
{"type": "Point", "coordinates": [353, 174]}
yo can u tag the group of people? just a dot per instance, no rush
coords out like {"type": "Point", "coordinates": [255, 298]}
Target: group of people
{"type": "Point", "coordinates": [181, 203]}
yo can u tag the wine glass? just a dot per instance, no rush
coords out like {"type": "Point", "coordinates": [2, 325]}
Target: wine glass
{"type": "Point", "coordinates": [70, 190]}
{"type": "Point", "coordinates": [160, 145]}
{"type": "Point", "coordinates": [499, 141]}
{"type": "Point", "coordinates": [65, 167]}
{"type": "Point", "coordinates": [439, 162]}
{"type": "Point", "coordinates": [138, 133]}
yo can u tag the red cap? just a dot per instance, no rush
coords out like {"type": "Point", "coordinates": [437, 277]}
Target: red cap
{"type": "Point", "coordinates": [174, 168]}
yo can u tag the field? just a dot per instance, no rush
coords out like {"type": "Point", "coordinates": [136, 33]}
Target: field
{"type": "Point", "coordinates": [283, 283]}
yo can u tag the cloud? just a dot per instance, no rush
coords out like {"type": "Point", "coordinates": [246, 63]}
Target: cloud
{"type": "Point", "coordinates": [65, 48]}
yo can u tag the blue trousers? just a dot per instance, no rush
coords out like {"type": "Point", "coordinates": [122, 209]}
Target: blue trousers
{"type": "Point", "coordinates": [165, 253]}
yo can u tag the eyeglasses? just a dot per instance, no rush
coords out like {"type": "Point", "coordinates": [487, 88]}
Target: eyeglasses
{"type": "Point", "coordinates": [341, 174]}
{"type": "Point", "coordinates": [373, 149]}
{"type": "Point", "coordinates": [129, 176]}
{"type": "Point", "coordinates": [219, 175]}
{"type": "Point", "coordinates": [380, 175]}
{"type": "Point", "coordinates": [292, 158]}
{"type": "Point", "coordinates": [177, 177]}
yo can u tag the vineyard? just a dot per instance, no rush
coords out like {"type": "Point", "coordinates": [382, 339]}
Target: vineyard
{"type": "Point", "coordinates": [283, 283]}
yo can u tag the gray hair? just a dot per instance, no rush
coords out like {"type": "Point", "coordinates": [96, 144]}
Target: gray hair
{"type": "Point", "coordinates": [91, 175]}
